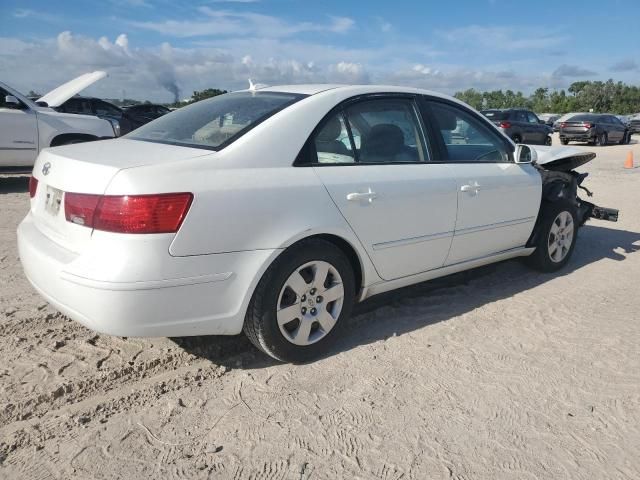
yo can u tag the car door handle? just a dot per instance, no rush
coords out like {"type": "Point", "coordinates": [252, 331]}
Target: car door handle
{"type": "Point", "coordinates": [357, 196]}
{"type": "Point", "coordinates": [474, 187]}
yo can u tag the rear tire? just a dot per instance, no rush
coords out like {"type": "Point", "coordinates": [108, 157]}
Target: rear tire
{"type": "Point", "coordinates": [602, 139]}
{"type": "Point", "coordinates": [556, 240]}
{"type": "Point", "coordinates": [293, 315]}
{"type": "Point", "coordinates": [548, 141]}
{"type": "Point", "coordinates": [517, 139]}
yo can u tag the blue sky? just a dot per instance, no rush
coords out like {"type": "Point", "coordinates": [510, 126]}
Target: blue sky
{"type": "Point", "coordinates": [153, 48]}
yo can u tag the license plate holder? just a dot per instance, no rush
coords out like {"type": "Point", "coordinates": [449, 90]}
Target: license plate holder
{"type": "Point", "coordinates": [53, 200]}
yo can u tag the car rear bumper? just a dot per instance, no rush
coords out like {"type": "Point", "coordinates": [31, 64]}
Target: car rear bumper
{"type": "Point", "coordinates": [585, 137]}
{"type": "Point", "coordinates": [199, 295]}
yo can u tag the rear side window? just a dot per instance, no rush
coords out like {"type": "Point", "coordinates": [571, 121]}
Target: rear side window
{"type": "Point", "coordinates": [380, 131]}
{"type": "Point", "coordinates": [496, 115]}
{"type": "Point", "coordinates": [466, 138]}
{"type": "Point", "coordinates": [521, 116]}
{"type": "Point", "coordinates": [215, 122]}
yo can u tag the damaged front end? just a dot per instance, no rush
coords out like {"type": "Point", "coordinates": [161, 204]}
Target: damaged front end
{"type": "Point", "coordinates": [561, 182]}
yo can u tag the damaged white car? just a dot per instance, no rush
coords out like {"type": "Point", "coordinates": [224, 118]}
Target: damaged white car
{"type": "Point", "coordinates": [271, 211]}
{"type": "Point", "coordinates": [26, 127]}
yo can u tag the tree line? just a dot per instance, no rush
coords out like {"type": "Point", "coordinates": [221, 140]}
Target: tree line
{"type": "Point", "coordinates": [603, 97]}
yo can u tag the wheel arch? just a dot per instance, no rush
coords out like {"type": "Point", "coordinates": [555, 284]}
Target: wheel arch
{"type": "Point", "coordinates": [62, 138]}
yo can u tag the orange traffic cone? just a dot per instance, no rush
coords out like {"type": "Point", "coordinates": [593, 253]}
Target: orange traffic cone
{"type": "Point", "coordinates": [629, 161]}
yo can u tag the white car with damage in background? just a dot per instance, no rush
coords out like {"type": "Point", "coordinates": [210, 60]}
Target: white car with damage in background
{"type": "Point", "coordinates": [26, 127]}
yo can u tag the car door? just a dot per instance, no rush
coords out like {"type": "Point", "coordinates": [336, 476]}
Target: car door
{"type": "Point", "coordinates": [616, 128]}
{"type": "Point", "coordinates": [18, 134]}
{"type": "Point", "coordinates": [374, 161]}
{"type": "Point", "coordinates": [521, 126]}
{"type": "Point", "coordinates": [498, 200]}
{"type": "Point", "coordinates": [538, 130]}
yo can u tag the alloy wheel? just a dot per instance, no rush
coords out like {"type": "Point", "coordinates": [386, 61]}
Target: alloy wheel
{"type": "Point", "coordinates": [310, 303]}
{"type": "Point", "coordinates": [560, 237]}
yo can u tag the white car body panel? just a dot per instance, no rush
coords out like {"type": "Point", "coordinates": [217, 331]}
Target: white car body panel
{"type": "Point", "coordinates": [249, 205]}
{"type": "Point", "coordinates": [24, 133]}
{"type": "Point", "coordinates": [64, 92]}
{"type": "Point", "coordinates": [408, 227]}
{"type": "Point", "coordinates": [498, 213]}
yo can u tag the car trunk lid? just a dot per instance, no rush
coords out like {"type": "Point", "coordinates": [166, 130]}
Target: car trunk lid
{"type": "Point", "coordinates": [575, 127]}
{"type": "Point", "coordinates": [88, 168]}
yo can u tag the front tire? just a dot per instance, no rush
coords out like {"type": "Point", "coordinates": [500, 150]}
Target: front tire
{"type": "Point", "coordinates": [302, 301]}
{"type": "Point", "coordinates": [564, 141]}
{"type": "Point", "coordinates": [558, 230]}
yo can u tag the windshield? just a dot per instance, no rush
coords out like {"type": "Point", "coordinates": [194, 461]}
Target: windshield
{"type": "Point", "coordinates": [216, 122]}
{"type": "Point", "coordinates": [496, 114]}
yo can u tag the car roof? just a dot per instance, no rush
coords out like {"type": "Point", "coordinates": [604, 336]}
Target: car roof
{"type": "Point", "coordinates": [316, 88]}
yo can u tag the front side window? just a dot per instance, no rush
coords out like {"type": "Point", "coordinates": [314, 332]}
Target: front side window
{"type": "Point", "coordinates": [532, 118]}
{"type": "Point", "coordinates": [215, 122]}
{"type": "Point", "coordinates": [466, 138]}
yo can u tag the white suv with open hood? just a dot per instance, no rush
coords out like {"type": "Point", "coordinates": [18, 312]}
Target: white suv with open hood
{"type": "Point", "coordinates": [27, 127]}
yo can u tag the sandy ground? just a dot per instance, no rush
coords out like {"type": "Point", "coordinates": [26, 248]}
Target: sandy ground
{"type": "Point", "coordinates": [500, 373]}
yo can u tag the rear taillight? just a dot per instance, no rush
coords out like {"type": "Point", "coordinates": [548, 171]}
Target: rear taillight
{"type": "Point", "coordinates": [79, 208]}
{"type": "Point", "coordinates": [162, 213]}
{"type": "Point", "coordinates": [33, 186]}
{"type": "Point", "coordinates": [586, 125]}
{"type": "Point", "coordinates": [505, 124]}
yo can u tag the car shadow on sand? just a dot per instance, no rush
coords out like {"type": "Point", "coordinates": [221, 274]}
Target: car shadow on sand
{"type": "Point", "coordinates": [14, 184]}
{"type": "Point", "coordinates": [427, 303]}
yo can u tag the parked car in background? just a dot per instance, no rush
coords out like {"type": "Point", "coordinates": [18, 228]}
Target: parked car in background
{"type": "Point", "coordinates": [598, 129]}
{"type": "Point", "coordinates": [549, 118]}
{"type": "Point", "coordinates": [102, 109]}
{"type": "Point", "coordinates": [634, 124]}
{"type": "Point", "coordinates": [520, 125]}
{"type": "Point", "coordinates": [261, 211]}
{"type": "Point", "coordinates": [27, 127]}
{"type": "Point", "coordinates": [564, 118]}
{"type": "Point", "coordinates": [145, 112]}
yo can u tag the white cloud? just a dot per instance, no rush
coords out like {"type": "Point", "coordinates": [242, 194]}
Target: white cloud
{"type": "Point", "coordinates": [231, 23]}
{"type": "Point", "coordinates": [503, 38]}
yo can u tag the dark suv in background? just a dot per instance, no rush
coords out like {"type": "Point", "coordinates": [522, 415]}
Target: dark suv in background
{"type": "Point", "coordinates": [520, 125]}
{"type": "Point", "coordinates": [145, 112]}
{"type": "Point", "coordinates": [125, 120]}
{"type": "Point", "coordinates": [595, 128]}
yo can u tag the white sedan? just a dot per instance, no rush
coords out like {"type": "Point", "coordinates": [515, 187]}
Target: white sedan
{"type": "Point", "coordinates": [273, 210]}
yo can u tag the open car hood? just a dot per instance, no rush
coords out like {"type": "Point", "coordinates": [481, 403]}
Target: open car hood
{"type": "Point", "coordinates": [562, 159]}
{"type": "Point", "coordinates": [64, 92]}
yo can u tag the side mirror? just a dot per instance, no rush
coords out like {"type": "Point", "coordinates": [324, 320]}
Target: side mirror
{"type": "Point", "coordinates": [525, 154]}
{"type": "Point", "coordinates": [542, 122]}
{"type": "Point", "coordinates": [12, 102]}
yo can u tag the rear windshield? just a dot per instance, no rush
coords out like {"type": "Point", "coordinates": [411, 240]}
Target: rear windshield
{"type": "Point", "coordinates": [216, 122]}
{"type": "Point", "coordinates": [583, 118]}
{"type": "Point", "coordinates": [495, 114]}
